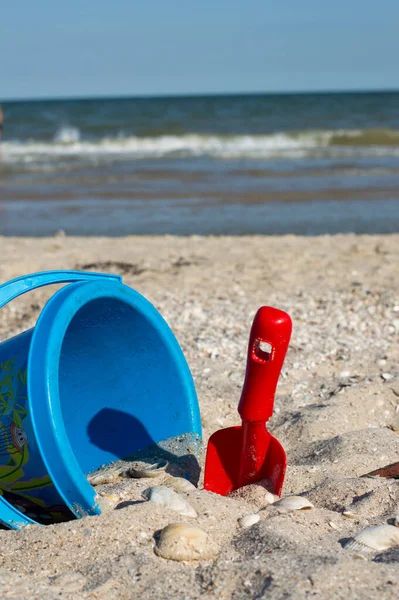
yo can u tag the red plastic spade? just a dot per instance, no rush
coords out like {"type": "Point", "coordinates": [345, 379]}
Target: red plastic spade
{"type": "Point", "coordinates": [237, 456]}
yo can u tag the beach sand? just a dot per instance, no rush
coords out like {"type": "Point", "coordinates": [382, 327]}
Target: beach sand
{"type": "Point", "coordinates": [336, 414]}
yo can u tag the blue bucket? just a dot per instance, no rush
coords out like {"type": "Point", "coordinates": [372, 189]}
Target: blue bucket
{"type": "Point", "coordinates": [98, 379]}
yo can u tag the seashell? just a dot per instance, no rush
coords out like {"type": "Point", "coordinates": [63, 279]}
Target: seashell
{"type": "Point", "coordinates": [376, 538]}
{"type": "Point", "coordinates": [271, 498]}
{"type": "Point", "coordinates": [181, 541]}
{"type": "Point", "coordinates": [144, 469]}
{"type": "Point", "coordinates": [294, 503]}
{"type": "Point", "coordinates": [389, 471]}
{"type": "Point", "coordinates": [100, 478]}
{"type": "Point", "coordinates": [164, 496]}
{"type": "Point", "coordinates": [351, 515]}
{"type": "Point", "coordinates": [248, 520]}
{"type": "Point", "coordinates": [179, 484]}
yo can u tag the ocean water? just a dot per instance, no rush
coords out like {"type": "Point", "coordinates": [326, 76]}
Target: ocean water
{"type": "Point", "coordinates": [305, 163]}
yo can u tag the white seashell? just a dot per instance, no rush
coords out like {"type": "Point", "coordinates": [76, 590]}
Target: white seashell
{"type": "Point", "coordinates": [294, 503]}
{"type": "Point", "coordinates": [351, 515]}
{"type": "Point", "coordinates": [248, 520]}
{"type": "Point", "coordinates": [181, 541]}
{"type": "Point", "coordinates": [271, 498]}
{"type": "Point", "coordinates": [179, 484]}
{"type": "Point", "coordinates": [101, 478]}
{"type": "Point", "coordinates": [376, 538]}
{"type": "Point", "coordinates": [164, 496]}
{"type": "Point", "coordinates": [143, 469]}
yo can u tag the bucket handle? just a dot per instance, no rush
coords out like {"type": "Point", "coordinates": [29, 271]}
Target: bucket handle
{"type": "Point", "coordinates": [16, 287]}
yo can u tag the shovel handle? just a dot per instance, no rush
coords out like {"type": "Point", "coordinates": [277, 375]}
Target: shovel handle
{"type": "Point", "coordinates": [268, 344]}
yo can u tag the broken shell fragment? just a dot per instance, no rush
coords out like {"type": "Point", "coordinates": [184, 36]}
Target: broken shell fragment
{"type": "Point", "coordinates": [294, 503]}
{"type": "Point", "coordinates": [248, 520]}
{"type": "Point", "coordinates": [140, 469]}
{"type": "Point", "coordinates": [389, 471]}
{"type": "Point", "coordinates": [168, 498]}
{"type": "Point", "coordinates": [181, 541]}
{"type": "Point", "coordinates": [102, 478]}
{"type": "Point", "coordinates": [376, 538]}
{"type": "Point", "coordinates": [179, 484]}
{"type": "Point", "coordinates": [351, 515]}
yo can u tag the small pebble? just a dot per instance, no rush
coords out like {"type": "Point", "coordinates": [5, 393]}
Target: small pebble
{"type": "Point", "coordinates": [107, 501]}
{"type": "Point", "coordinates": [387, 376]}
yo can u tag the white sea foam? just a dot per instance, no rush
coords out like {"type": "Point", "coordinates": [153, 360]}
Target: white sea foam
{"type": "Point", "coordinates": [67, 135]}
{"type": "Point", "coordinates": [68, 144]}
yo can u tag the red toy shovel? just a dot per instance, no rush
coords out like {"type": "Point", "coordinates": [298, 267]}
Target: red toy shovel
{"type": "Point", "coordinates": [237, 456]}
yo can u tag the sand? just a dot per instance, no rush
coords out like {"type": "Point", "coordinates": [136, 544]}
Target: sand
{"type": "Point", "coordinates": [336, 413]}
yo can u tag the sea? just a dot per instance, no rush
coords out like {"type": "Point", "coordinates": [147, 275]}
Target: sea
{"type": "Point", "coordinates": [306, 164]}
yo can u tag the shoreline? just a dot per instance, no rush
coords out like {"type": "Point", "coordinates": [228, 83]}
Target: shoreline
{"type": "Point", "coordinates": [121, 217]}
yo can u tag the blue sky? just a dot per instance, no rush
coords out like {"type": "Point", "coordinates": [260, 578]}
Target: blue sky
{"type": "Point", "coordinates": [130, 47]}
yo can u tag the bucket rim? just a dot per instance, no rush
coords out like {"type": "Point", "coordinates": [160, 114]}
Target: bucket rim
{"type": "Point", "coordinates": [11, 517]}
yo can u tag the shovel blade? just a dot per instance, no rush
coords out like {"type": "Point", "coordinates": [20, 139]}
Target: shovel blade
{"type": "Point", "coordinates": [223, 461]}
{"type": "Point", "coordinates": [223, 458]}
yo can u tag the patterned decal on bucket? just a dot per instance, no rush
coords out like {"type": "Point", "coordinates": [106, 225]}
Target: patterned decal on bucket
{"type": "Point", "coordinates": [16, 484]}
{"type": "Point", "coordinates": [12, 412]}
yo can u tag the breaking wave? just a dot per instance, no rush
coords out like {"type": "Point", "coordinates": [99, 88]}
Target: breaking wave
{"type": "Point", "coordinates": [68, 144]}
{"type": "Point", "coordinates": [67, 135]}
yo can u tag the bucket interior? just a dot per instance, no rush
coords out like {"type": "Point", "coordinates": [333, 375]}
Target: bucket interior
{"type": "Point", "coordinates": [120, 386]}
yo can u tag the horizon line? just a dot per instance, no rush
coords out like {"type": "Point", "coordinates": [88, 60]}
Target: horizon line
{"type": "Point", "coordinates": [199, 95]}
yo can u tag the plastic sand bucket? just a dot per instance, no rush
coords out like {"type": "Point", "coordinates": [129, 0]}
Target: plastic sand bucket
{"type": "Point", "coordinates": [100, 377]}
